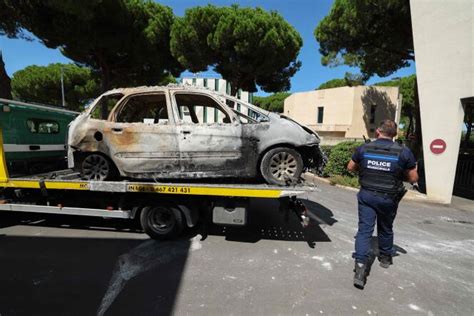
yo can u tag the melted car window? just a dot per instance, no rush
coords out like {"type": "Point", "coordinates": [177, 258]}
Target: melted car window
{"type": "Point", "coordinates": [105, 105]}
{"type": "Point", "coordinates": [198, 109]}
{"type": "Point", "coordinates": [245, 113]}
{"type": "Point", "coordinates": [150, 109]}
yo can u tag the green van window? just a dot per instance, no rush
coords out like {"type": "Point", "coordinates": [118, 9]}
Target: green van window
{"type": "Point", "coordinates": [42, 126]}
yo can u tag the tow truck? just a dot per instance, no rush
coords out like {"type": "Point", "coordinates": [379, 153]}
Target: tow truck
{"type": "Point", "coordinates": [163, 210]}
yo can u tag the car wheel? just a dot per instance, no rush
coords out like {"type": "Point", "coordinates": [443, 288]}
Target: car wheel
{"type": "Point", "coordinates": [161, 222]}
{"type": "Point", "coordinates": [97, 167]}
{"type": "Point", "coordinates": [281, 166]}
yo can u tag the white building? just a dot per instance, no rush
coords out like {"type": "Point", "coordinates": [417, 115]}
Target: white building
{"type": "Point", "coordinates": [222, 86]}
{"type": "Point", "coordinates": [217, 84]}
{"type": "Point", "coordinates": [443, 35]}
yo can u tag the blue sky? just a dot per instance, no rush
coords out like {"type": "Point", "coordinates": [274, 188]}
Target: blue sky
{"type": "Point", "coordinates": [304, 15]}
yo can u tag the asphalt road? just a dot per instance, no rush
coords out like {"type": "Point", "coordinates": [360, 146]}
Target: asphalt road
{"type": "Point", "coordinates": [59, 265]}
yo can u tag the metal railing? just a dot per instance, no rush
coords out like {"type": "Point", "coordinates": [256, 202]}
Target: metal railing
{"type": "Point", "coordinates": [464, 181]}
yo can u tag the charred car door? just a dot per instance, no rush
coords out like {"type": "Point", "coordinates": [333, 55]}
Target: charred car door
{"type": "Point", "coordinates": [142, 137]}
{"type": "Point", "coordinates": [210, 138]}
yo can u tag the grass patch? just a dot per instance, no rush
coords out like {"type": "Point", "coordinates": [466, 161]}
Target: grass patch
{"type": "Point", "coordinates": [345, 181]}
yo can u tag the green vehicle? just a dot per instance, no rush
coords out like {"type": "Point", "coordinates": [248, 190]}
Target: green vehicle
{"type": "Point", "coordinates": [34, 136]}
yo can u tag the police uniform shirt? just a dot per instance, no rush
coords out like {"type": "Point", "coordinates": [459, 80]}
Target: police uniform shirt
{"type": "Point", "coordinates": [378, 171]}
{"type": "Point", "coordinates": [407, 161]}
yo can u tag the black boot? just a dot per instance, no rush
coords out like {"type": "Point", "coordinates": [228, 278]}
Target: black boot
{"type": "Point", "coordinates": [360, 275]}
{"type": "Point", "coordinates": [385, 261]}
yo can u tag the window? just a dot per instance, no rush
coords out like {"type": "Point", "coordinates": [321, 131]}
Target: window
{"type": "Point", "coordinates": [194, 108]}
{"type": "Point", "coordinates": [150, 109]}
{"type": "Point", "coordinates": [194, 81]}
{"type": "Point", "coordinates": [320, 114]}
{"type": "Point", "coordinates": [216, 84]}
{"type": "Point", "coordinates": [256, 116]}
{"type": "Point", "coordinates": [250, 100]}
{"type": "Point", "coordinates": [104, 106]}
{"type": "Point", "coordinates": [372, 113]}
{"type": "Point", "coordinates": [40, 126]}
{"type": "Point", "coordinates": [228, 90]}
{"type": "Point", "coordinates": [239, 93]}
{"type": "Point", "coordinates": [205, 82]}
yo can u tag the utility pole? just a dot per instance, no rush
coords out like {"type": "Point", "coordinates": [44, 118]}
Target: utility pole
{"type": "Point", "coordinates": [62, 87]}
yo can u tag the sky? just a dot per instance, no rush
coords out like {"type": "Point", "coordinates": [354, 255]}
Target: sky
{"type": "Point", "coordinates": [303, 15]}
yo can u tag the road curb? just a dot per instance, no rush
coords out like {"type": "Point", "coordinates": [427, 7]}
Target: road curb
{"type": "Point", "coordinates": [410, 195]}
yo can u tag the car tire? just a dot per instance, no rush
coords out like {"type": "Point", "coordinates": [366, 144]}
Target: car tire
{"type": "Point", "coordinates": [97, 167]}
{"type": "Point", "coordinates": [281, 166]}
{"type": "Point", "coordinates": [161, 222]}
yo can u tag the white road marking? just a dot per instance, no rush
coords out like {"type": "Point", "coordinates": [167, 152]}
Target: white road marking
{"type": "Point", "coordinates": [414, 307]}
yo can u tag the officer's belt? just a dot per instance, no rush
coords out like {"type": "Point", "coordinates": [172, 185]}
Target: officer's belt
{"type": "Point", "coordinates": [382, 194]}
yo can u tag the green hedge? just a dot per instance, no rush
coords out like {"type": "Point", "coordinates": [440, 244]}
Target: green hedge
{"type": "Point", "coordinates": [339, 156]}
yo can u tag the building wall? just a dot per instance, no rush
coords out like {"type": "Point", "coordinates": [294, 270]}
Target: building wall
{"type": "Point", "coordinates": [346, 110]}
{"type": "Point", "coordinates": [337, 104]}
{"type": "Point", "coordinates": [443, 41]}
{"type": "Point", "coordinates": [386, 103]}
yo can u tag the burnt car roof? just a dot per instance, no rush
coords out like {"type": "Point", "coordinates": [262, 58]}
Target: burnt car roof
{"type": "Point", "coordinates": [190, 88]}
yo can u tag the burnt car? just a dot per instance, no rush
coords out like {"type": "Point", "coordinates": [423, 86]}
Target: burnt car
{"type": "Point", "coordinates": [182, 132]}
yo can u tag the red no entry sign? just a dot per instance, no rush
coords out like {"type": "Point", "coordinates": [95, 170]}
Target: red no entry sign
{"type": "Point", "coordinates": [438, 146]}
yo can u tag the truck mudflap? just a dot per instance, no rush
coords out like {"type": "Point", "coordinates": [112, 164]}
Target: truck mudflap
{"type": "Point", "coordinates": [296, 206]}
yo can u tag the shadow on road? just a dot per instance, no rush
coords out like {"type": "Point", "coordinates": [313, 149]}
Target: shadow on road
{"type": "Point", "coordinates": [109, 276]}
{"type": "Point", "coordinates": [374, 252]}
{"type": "Point", "coordinates": [266, 221]}
{"type": "Point", "coordinates": [87, 276]}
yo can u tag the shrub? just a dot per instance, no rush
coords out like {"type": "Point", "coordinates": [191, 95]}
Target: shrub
{"type": "Point", "coordinates": [345, 181]}
{"type": "Point", "coordinates": [340, 155]}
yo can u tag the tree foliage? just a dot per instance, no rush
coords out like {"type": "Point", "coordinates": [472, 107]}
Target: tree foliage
{"type": "Point", "coordinates": [350, 80]}
{"type": "Point", "coordinates": [126, 41]}
{"type": "Point", "coordinates": [248, 47]}
{"type": "Point", "coordinates": [374, 35]}
{"type": "Point", "coordinates": [43, 85]}
{"type": "Point", "coordinates": [407, 90]}
{"type": "Point", "coordinates": [274, 102]}
{"type": "Point", "coordinates": [333, 83]}
{"type": "Point", "coordinates": [9, 25]}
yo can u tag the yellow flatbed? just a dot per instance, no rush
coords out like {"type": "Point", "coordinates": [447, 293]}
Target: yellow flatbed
{"type": "Point", "coordinates": [64, 192]}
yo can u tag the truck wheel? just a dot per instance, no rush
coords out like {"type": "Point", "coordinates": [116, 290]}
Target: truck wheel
{"type": "Point", "coordinates": [281, 166]}
{"type": "Point", "coordinates": [97, 167]}
{"type": "Point", "coordinates": [161, 222]}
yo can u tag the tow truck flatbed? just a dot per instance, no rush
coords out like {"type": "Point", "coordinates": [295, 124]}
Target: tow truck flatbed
{"type": "Point", "coordinates": [64, 192]}
{"type": "Point", "coordinates": [70, 180]}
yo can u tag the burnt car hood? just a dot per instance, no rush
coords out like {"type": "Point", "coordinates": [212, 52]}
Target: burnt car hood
{"type": "Point", "coordinates": [308, 134]}
{"type": "Point", "coordinates": [307, 129]}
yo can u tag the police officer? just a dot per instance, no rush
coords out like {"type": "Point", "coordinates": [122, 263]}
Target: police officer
{"type": "Point", "coordinates": [382, 165]}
